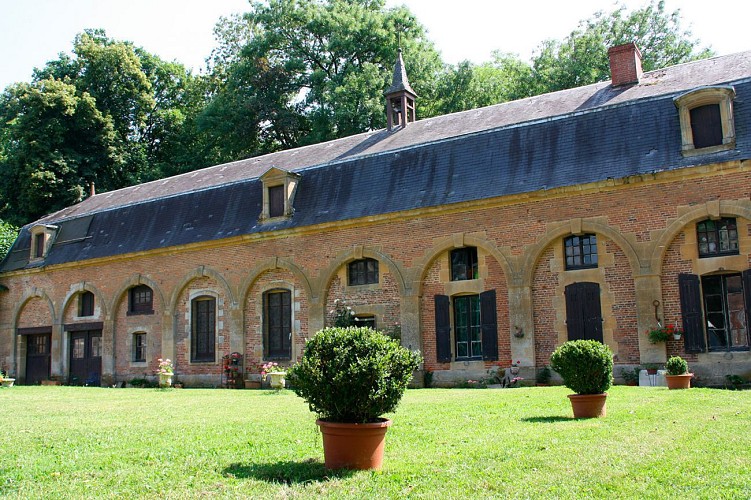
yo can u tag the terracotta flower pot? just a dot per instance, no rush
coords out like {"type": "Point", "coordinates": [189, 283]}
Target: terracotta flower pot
{"type": "Point", "coordinates": [679, 381]}
{"type": "Point", "coordinates": [353, 446]}
{"type": "Point", "coordinates": [588, 405]}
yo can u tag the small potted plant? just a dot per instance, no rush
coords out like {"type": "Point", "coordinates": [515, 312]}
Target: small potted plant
{"type": "Point", "coordinates": [586, 367]}
{"type": "Point", "coordinates": [677, 375]}
{"type": "Point", "coordinates": [165, 371]}
{"type": "Point", "coordinates": [630, 376]}
{"type": "Point", "coordinates": [544, 376]}
{"type": "Point", "coordinates": [658, 334]}
{"type": "Point", "coordinates": [350, 377]}
{"type": "Point", "coordinates": [276, 373]}
{"type": "Point", "coordinates": [6, 380]}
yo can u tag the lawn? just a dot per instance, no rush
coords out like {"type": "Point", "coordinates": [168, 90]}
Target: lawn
{"type": "Point", "coordinates": [67, 442]}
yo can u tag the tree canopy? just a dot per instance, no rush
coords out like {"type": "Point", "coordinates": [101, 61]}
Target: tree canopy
{"type": "Point", "coordinates": [284, 74]}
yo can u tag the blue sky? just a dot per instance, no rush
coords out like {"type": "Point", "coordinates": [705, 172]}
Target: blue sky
{"type": "Point", "coordinates": [35, 31]}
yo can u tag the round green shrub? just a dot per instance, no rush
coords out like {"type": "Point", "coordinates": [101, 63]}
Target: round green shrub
{"type": "Point", "coordinates": [586, 366]}
{"type": "Point", "coordinates": [676, 365]}
{"type": "Point", "coordinates": [353, 375]}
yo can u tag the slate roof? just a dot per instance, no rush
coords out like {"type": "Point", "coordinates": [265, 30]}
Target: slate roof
{"type": "Point", "coordinates": [559, 139]}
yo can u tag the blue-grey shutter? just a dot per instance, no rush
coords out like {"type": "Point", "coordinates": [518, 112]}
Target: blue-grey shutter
{"type": "Point", "coordinates": [442, 329]}
{"type": "Point", "coordinates": [693, 329]}
{"type": "Point", "coordinates": [489, 326]}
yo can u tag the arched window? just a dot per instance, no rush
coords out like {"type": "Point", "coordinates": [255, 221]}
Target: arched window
{"type": "Point", "coordinates": [581, 251]}
{"type": "Point", "coordinates": [464, 264]}
{"type": "Point", "coordinates": [140, 300]}
{"type": "Point", "coordinates": [362, 272]}
{"type": "Point", "coordinates": [717, 237]}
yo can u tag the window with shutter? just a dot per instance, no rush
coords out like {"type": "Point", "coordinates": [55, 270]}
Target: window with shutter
{"type": "Point", "coordinates": [276, 201]}
{"type": "Point", "coordinates": [278, 324]}
{"type": "Point", "coordinates": [86, 304]}
{"type": "Point", "coordinates": [140, 300]}
{"type": "Point", "coordinates": [706, 119]}
{"type": "Point", "coordinates": [442, 328]}
{"type": "Point", "coordinates": [706, 125]}
{"type": "Point", "coordinates": [489, 326]}
{"type": "Point", "coordinates": [203, 338]}
{"type": "Point", "coordinates": [693, 331]}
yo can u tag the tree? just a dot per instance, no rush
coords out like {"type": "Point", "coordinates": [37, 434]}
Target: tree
{"type": "Point", "coordinates": [310, 71]}
{"type": "Point", "coordinates": [469, 86]}
{"type": "Point", "coordinates": [54, 142]}
{"type": "Point", "coordinates": [581, 58]}
{"type": "Point", "coordinates": [8, 234]}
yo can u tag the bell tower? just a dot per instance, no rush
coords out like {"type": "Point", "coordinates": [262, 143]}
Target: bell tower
{"type": "Point", "coordinates": [400, 98]}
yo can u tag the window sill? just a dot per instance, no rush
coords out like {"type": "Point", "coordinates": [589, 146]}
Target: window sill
{"type": "Point", "coordinates": [691, 151]}
{"type": "Point", "coordinates": [139, 313]}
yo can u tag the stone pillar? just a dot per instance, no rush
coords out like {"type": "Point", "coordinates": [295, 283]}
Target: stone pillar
{"type": "Point", "coordinates": [108, 351]}
{"type": "Point", "coordinates": [410, 321]}
{"type": "Point", "coordinates": [521, 324]}
{"type": "Point", "coordinates": [648, 289]}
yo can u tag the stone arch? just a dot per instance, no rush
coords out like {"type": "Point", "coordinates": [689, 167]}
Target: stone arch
{"type": "Point", "coordinates": [360, 253]}
{"type": "Point", "coordinates": [201, 272]}
{"type": "Point", "coordinates": [422, 266]}
{"type": "Point", "coordinates": [535, 251]}
{"type": "Point", "coordinates": [709, 209]}
{"type": "Point", "coordinates": [136, 280]}
{"type": "Point", "coordinates": [26, 297]}
{"type": "Point", "coordinates": [269, 265]}
{"type": "Point", "coordinates": [84, 286]}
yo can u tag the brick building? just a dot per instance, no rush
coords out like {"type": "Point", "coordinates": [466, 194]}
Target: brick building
{"type": "Point", "coordinates": [483, 238]}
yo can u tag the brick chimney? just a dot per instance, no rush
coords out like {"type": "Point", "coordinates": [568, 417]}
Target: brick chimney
{"type": "Point", "coordinates": [625, 64]}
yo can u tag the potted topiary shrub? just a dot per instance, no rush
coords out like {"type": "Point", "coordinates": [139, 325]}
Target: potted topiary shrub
{"type": "Point", "coordinates": [677, 375]}
{"type": "Point", "coordinates": [350, 377]}
{"type": "Point", "coordinates": [586, 367]}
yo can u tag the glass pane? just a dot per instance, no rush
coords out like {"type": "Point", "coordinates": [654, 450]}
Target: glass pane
{"type": "Point", "coordinates": [96, 347]}
{"type": "Point", "coordinates": [79, 345]}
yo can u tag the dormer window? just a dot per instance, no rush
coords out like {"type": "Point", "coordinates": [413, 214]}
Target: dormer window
{"type": "Point", "coordinates": [706, 118]}
{"type": "Point", "coordinates": [41, 240]}
{"type": "Point", "coordinates": [276, 201]}
{"type": "Point", "coordinates": [279, 187]}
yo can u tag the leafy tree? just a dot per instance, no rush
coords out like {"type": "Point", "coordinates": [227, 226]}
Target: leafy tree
{"type": "Point", "coordinates": [581, 58]}
{"type": "Point", "coordinates": [8, 234]}
{"type": "Point", "coordinates": [468, 86]}
{"type": "Point", "coordinates": [53, 143]}
{"type": "Point", "coordinates": [310, 71]}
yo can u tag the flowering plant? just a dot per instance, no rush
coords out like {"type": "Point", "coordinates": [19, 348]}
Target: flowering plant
{"type": "Point", "coordinates": [663, 333]}
{"type": "Point", "coordinates": [271, 367]}
{"type": "Point", "coordinates": [165, 367]}
{"type": "Point", "coordinates": [343, 314]}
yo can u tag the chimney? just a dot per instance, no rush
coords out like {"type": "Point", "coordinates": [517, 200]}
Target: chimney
{"type": "Point", "coordinates": [92, 189]}
{"type": "Point", "coordinates": [625, 64]}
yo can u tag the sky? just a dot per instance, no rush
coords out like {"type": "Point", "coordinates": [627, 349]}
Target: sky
{"type": "Point", "coordinates": [33, 32]}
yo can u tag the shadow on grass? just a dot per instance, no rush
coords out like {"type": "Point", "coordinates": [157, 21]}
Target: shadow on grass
{"type": "Point", "coordinates": [287, 472]}
{"type": "Point", "coordinates": [548, 420]}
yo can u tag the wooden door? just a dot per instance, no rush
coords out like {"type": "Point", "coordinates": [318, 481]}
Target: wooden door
{"type": "Point", "coordinates": [37, 358]}
{"type": "Point", "coordinates": [583, 311]}
{"type": "Point", "coordinates": [86, 357]}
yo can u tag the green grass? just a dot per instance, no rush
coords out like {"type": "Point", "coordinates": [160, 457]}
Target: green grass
{"type": "Point", "coordinates": [66, 442]}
